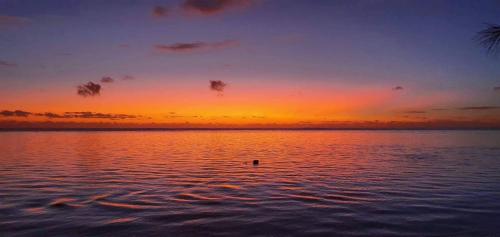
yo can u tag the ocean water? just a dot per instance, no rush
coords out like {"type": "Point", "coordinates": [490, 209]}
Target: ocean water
{"type": "Point", "coordinates": [203, 183]}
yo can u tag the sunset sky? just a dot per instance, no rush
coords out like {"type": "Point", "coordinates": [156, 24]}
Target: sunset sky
{"type": "Point", "coordinates": [248, 63]}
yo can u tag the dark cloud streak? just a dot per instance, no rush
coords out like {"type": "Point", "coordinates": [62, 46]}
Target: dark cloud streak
{"type": "Point", "coordinates": [92, 115]}
{"type": "Point", "coordinates": [15, 113]}
{"type": "Point", "coordinates": [195, 46]}
{"type": "Point", "coordinates": [181, 46]}
{"type": "Point", "coordinates": [69, 115]}
{"type": "Point", "coordinates": [50, 115]}
{"type": "Point", "coordinates": [211, 7]}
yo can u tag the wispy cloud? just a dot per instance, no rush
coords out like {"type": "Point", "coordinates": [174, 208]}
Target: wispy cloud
{"type": "Point", "coordinates": [69, 115]}
{"type": "Point", "coordinates": [181, 46]}
{"type": "Point", "coordinates": [15, 113]}
{"type": "Point", "coordinates": [195, 46]}
{"type": "Point", "coordinates": [217, 85]}
{"type": "Point", "coordinates": [50, 115]}
{"type": "Point", "coordinates": [160, 11]}
{"type": "Point", "coordinates": [397, 88]}
{"type": "Point", "coordinates": [107, 80]}
{"type": "Point", "coordinates": [211, 7]}
{"type": "Point", "coordinates": [9, 21]}
{"type": "Point", "coordinates": [92, 115]}
{"type": "Point", "coordinates": [89, 89]}
{"type": "Point", "coordinates": [479, 108]}
{"type": "Point", "coordinates": [7, 64]}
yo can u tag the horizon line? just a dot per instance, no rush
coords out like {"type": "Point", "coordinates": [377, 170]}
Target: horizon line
{"type": "Point", "coordinates": [241, 129]}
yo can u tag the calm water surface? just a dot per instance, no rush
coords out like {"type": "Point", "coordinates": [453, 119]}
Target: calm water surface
{"type": "Point", "coordinates": [203, 183]}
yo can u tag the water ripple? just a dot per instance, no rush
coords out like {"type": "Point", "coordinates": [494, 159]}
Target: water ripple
{"type": "Point", "coordinates": [308, 183]}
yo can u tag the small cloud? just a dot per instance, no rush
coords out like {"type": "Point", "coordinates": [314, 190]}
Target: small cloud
{"type": "Point", "coordinates": [128, 77]}
{"type": "Point", "coordinates": [195, 46]}
{"type": "Point", "coordinates": [7, 64]}
{"type": "Point", "coordinates": [107, 80]}
{"type": "Point", "coordinates": [496, 88]}
{"type": "Point", "coordinates": [51, 115]}
{"type": "Point", "coordinates": [69, 115]}
{"type": "Point", "coordinates": [91, 115]}
{"type": "Point", "coordinates": [15, 113]}
{"type": "Point", "coordinates": [397, 88]}
{"type": "Point", "coordinates": [8, 21]}
{"type": "Point", "coordinates": [479, 108]}
{"type": "Point", "coordinates": [217, 86]}
{"type": "Point", "coordinates": [89, 89]}
{"type": "Point", "coordinates": [211, 7]}
{"type": "Point", "coordinates": [160, 11]}
{"type": "Point", "coordinates": [181, 46]}
{"type": "Point", "coordinates": [86, 115]}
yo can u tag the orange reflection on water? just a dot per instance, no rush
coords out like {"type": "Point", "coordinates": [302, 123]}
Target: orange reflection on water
{"type": "Point", "coordinates": [193, 179]}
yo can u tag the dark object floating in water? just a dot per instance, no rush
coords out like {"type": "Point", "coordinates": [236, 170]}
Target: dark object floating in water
{"type": "Point", "coordinates": [255, 162]}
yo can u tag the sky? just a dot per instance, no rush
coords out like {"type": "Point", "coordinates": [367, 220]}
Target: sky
{"type": "Point", "coordinates": [247, 63]}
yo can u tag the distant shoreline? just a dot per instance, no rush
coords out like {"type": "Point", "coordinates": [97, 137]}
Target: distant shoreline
{"type": "Point", "coordinates": [234, 129]}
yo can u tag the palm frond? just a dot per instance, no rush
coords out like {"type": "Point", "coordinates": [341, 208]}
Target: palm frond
{"type": "Point", "coordinates": [490, 38]}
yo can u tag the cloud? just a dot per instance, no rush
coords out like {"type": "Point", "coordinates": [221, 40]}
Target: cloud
{"type": "Point", "coordinates": [8, 21]}
{"type": "Point", "coordinates": [51, 115]}
{"type": "Point", "coordinates": [211, 7]}
{"type": "Point", "coordinates": [159, 11]}
{"type": "Point", "coordinates": [15, 113]}
{"type": "Point", "coordinates": [92, 115]}
{"type": "Point", "coordinates": [217, 86]}
{"type": "Point", "coordinates": [68, 115]}
{"type": "Point", "coordinates": [397, 88]}
{"type": "Point", "coordinates": [479, 108]}
{"type": "Point", "coordinates": [7, 64]}
{"type": "Point", "coordinates": [107, 80]}
{"type": "Point", "coordinates": [181, 46]}
{"type": "Point", "coordinates": [195, 46]}
{"type": "Point", "coordinates": [89, 89]}
{"type": "Point", "coordinates": [496, 88]}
